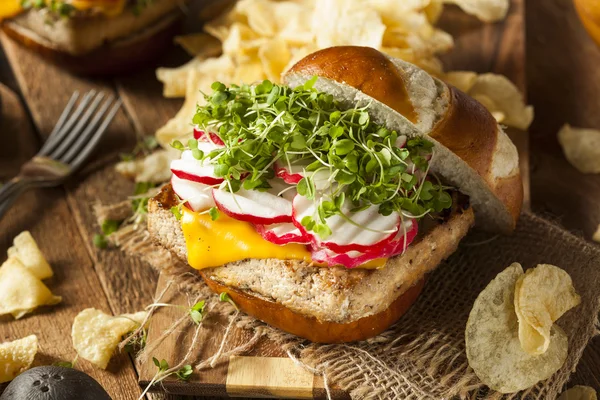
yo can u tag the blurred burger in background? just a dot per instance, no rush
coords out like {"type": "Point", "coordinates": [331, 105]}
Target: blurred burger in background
{"type": "Point", "coordinates": [93, 37]}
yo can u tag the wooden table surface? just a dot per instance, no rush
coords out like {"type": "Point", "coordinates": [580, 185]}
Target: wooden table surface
{"type": "Point", "coordinates": [562, 81]}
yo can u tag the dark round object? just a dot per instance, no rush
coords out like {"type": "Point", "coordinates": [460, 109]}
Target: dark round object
{"type": "Point", "coordinates": [54, 383]}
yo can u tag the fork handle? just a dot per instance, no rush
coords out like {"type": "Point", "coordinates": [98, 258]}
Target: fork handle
{"type": "Point", "coordinates": [9, 192]}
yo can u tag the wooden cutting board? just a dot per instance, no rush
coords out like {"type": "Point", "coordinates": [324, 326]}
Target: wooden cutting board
{"type": "Point", "coordinates": [266, 371]}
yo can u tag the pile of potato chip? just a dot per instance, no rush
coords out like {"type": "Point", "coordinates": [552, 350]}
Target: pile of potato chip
{"type": "Point", "coordinates": [21, 286]}
{"type": "Point", "coordinates": [261, 39]}
{"type": "Point", "coordinates": [512, 342]}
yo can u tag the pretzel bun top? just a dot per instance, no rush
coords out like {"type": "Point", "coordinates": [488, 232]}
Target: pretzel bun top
{"type": "Point", "coordinates": [471, 151]}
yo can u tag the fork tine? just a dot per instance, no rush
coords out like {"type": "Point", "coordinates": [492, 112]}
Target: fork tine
{"type": "Point", "coordinates": [58, 134]}
{"type": "Point", "coordinates": [63, 117]}
{"type": "Point", "coordinates": [87, 134]}
{"type": "Point", "coordinates": [73, 135]}
{"type": "Point", "coordinates": [83, 155]}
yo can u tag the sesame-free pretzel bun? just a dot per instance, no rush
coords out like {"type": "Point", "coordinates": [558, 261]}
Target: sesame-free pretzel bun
{"type": "Point", "coordinates": [336, 304]}
{"type": "Point", "coordinates": [471, 151]}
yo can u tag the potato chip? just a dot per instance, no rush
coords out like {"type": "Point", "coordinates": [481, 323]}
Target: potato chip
{"type": "Point", "coordinates": [485, 10]}
{"type": "Point", "coordinates": [27, 251]}
{"type": "Point", "coordinates": [175, 79]}
{"type": "Point", "coordinates": [154, 168]}
{"type": "Point", "coordinates": [250, 71]}
{"type": "Point", "coordinates": [260, 16]}
{"type": "Point", "coordinates": [581, 148]}
{"type": "Point", "coordinates": [20, 291]}
{"type": "Point", "coordinates": [462, 80]}
{"type": "Point", "coordinates": [596, 235]}
{"type": "Point", "coordinates": [274, 56]}
{"type": "Point", "coordinates": [200, 79]}
{"type": "Point", "coordinates": [542, 296]}
{"type": "Point", "coordinates": [96, 335]}
{"type": "Point", "coordinates": [492, 341]}
{"type": "Point", "coordinates": [200, 45]}
{"type": "Point", "coordinates": [579, 393]}
{"type": "Point", "coordinates": [506, 98]}
{"type": "Point", "coordinates": [16, 357]}
{"type": "Point", "coordinates": [434, 10]}
{"type": "Point", "coordinates": [345, 22]}
{"type": "Point", "coordinates": [491, 106]}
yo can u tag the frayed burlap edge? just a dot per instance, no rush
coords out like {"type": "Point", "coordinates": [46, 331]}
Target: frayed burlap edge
{"type": "Point", "coordinates": [422, 356]}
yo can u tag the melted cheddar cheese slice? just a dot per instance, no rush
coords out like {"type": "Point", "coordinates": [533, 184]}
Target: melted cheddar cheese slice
{"type": "Point", "coordinates": [9, 8]}
{"type": "Point", "coordinates": [214, 243]}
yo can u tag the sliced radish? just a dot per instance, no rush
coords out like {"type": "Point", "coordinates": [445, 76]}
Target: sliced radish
{"type": "Point", "coordinates": [401, 141]}
{"type": "Point", "coordinates": [210, 137]}
{"type": "Point", "coordinates": [354, 259]}
{"type": "Point", "coordinates": [368, 230]}
{"type": "Point", "coordinates": [291, 176]}
{"type": "Point", "coordinates": [197, 196]}
{"type": "Point", "coordinates": [282, 233]}
{"type": "Point", "coordinates": [254, 206]}
{"type": "Point", "coordinates": [187, 167]}
{"type": "Point", "coordinates": [281, 188]}
{"type": "Point", "coordinates": [293, 173]}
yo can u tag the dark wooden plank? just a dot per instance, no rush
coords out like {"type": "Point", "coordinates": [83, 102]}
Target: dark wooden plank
{"type": "Point", "coordinates": [563, 82]}
{"type": "Point", "coordinates": [46, 214]}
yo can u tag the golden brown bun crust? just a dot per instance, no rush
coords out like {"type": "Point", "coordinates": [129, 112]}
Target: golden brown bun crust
{"type": "Point", "coordinates": [470, 132]}
{"type": "Point", "coordinates": [363, 68]}
{"type": "Point", "coordinates": [312, 329]}
{"type": "Point", "coordinates": [107, 60]}
{"type": "Point", "coordinates": [467, 128]}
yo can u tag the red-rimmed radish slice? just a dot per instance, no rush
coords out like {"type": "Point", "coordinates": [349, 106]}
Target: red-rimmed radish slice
{"type": "Point", "coordinates": [282, 233]}
{"type": "Point", "coordinates": [254, 206]}
{"type": "Point", "coordinates": [354, 259]}
{"type": "Point", "coordinates": [211, 137]}
{"type": "Point", "coordinates": [291, 176]}
{"type": "Point", "coordinates": [187, 167]}
{"type": "Point", "coordinates": [401, 141]}
{"type": "Point", "coordinates": [197, 196]}
{"type": "Point", "coordinates": [293, 173]}
{"type": "Point", "coordinates": [368, 230]}
{"type": "Point", "coordinates": [281, 188]}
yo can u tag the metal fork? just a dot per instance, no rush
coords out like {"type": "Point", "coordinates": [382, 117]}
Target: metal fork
{"type": "Point", "coordinates": [73, 139]}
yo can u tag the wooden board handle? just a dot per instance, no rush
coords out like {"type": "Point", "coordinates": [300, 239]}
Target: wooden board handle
{"type": "Point", "coordinates": [268, 377]}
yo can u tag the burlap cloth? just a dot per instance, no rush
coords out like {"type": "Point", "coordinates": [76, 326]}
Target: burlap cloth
{"type": "Point", "coordinates": [423, 355]}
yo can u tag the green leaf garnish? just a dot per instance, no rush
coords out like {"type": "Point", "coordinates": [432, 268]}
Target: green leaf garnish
{"type": "Point", "coordinates": [197, 312]}
{"type": "Point", "coordinates": [100, 241]}
{"type": "Point", "coordinates": [267, 122]}
{"type": "Point", "coordinates": [176, 211]}
{"type": "Point", "coordinates": [110, 226]}
{"type": "Point", "coordinates": [214, 213]}
{"type": "Point", "coordinates": [184, 373]}
{"type": "Point", "coordinates": [177, 145]}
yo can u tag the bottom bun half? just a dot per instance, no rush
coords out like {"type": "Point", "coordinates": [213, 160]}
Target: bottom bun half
{"type": "Point", "coordinates": [311, 328]}
{"type": "Point", "coordinates": [322, 304]}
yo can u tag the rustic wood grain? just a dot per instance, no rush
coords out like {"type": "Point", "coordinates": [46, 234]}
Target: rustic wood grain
{"type": "Point", "coordinates": [129, 282]}
{"type": "Point", "coordinates": [563, 82]}
{"type": "Point", "coordinates": [46, 214]}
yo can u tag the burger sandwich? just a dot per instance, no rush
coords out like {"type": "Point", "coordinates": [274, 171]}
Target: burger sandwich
{"type": "Point", "coordinates": [320, 205]}
{"type": "Point", "coordinates": [93, 36]}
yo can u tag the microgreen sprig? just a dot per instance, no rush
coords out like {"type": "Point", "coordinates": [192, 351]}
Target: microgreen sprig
{"type": "Point", "coordinates": [367, 163]}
